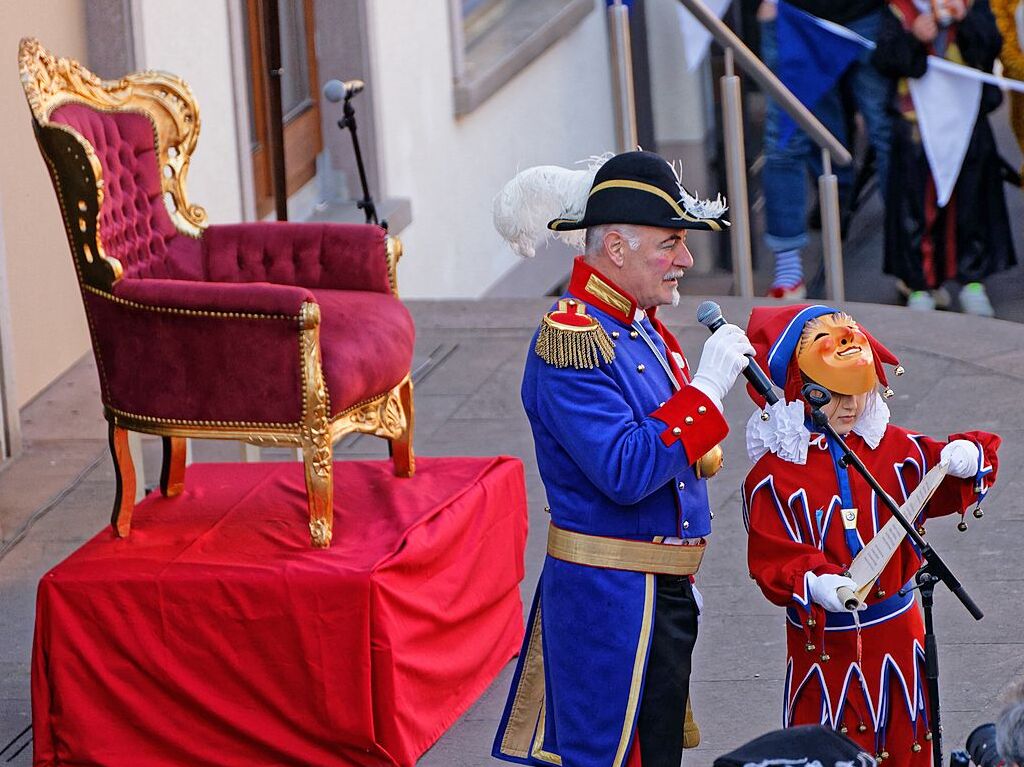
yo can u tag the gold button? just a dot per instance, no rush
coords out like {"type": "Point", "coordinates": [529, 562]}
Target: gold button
{"type": "Point", "coordinates": [843, 729]}
{"type": "Point", "coordinates": [677, 431]}
{"type": "Point", "coordinates": [811, 622]}
{"type": "Point", "coordinates": [825, 657]}
{"type": "Point", "coordinates": [615, 334]}
{"type": "Point", "coordinates": [862, 727]}
{"type": "Point", "coordinates": [880, 594]}
{"type": "Point", "coordinates": [916, 747]}
{"type": "Point", "coordinates": [661, 404]}
{"type": "Point", "coordinates": [640, 368]}
{"type": "Point", "coordinates": [547, 509]}
{"type": "Point", "coordinates": [686, 525]}
{"type": "Point", "coordinates": [633, 334]}
{"type": "Point", "coordinates": [810, 647]}
{"type": "Point", "coordinates": [712, 514]}
{"type": "Point", "coordinates": [702, 410]}
{"type": "Point", "coordinates": [688, 420]}
{"type": "Point", "coordinates": [682, 485]}
{"type": "Point", "coordinates": [571, 302]}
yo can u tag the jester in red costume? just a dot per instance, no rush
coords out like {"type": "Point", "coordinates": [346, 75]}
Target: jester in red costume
{"type": "Point", "coordinates": [862, 671]}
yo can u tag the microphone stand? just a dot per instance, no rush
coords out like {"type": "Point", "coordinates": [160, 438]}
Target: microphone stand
{"type": "Point", "coordinates": [931, 573]}
{"type": "Point", "coordinates": [349, 121]}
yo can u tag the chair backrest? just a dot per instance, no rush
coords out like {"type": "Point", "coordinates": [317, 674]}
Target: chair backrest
{"type": "Point", "coordinates": [118, 153]}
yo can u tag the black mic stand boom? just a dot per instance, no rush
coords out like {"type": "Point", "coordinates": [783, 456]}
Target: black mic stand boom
{"type": "Point", "coordinates": [349, 121]}
{"type": "Point", "coordinates": [932, 572]}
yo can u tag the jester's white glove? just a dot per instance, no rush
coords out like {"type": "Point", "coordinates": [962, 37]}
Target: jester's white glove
{"type": "Point", "coordinates": [962, 456]}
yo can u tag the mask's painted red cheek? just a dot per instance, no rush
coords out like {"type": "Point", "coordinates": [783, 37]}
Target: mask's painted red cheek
{"type": "Point", "coordinates": [827, 346]}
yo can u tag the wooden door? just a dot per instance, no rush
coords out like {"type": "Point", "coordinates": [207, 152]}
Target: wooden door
{"type": "Point", "coordinates": [300, 98]}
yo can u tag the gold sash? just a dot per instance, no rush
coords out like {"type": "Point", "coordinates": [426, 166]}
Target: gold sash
{"type": "Point", "coordinates": [622, 554]}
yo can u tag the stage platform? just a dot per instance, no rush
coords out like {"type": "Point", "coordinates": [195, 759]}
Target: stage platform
{"type": "Point", "coordinates": [215, 635]}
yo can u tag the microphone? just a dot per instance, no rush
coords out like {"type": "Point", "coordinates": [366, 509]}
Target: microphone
{"type": "Point", "coordinates": [709, 314]}
{"type": "Point", "coordinates": [336, 90]}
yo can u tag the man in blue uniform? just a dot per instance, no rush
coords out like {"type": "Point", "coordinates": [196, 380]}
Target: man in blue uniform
{"type": "Point", "coordinates": [625, 439]}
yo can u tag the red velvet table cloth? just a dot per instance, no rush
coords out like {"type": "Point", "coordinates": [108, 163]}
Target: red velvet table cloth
{"type": "Point", "coordinates": [215, 635]}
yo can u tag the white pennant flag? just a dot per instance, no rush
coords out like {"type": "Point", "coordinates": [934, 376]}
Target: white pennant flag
{"type": "Point", "coordinates": [946, 102]}
{"type": "Point", "coordinates": [695, 37]}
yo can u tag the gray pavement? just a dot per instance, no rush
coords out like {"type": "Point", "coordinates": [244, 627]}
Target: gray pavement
{"type": "Point", "coordinates": [961, 372]}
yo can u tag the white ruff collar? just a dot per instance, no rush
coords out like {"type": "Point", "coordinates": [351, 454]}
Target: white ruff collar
{"type": "Point", "coordinates": [786, 435]}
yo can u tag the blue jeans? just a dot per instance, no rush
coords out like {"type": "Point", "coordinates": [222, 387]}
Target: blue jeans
{"type": "Point", "coordinates": [784, 178]}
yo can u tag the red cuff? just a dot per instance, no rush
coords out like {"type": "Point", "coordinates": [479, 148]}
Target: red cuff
{"type": "Point", "coordinates": [691, 418]}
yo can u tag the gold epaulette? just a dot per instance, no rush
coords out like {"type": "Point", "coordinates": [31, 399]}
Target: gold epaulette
{"type": "Point", "coordinates": [569, 337]}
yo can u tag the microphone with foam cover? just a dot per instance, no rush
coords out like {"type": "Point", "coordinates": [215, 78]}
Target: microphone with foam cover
{"type": "Point", "coordinates": [336, 90]}
{"type": "Point", "coordinates": [709, 314]}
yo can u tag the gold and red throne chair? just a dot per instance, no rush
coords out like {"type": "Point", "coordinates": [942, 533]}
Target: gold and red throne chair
{"type": "Point", "coordinates": [272, 333]}
{"type": "Point", "coordinates": [214, 634]}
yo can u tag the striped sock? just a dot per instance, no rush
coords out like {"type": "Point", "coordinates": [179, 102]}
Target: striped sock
{"type": "Point", "coordinates": [789, 269]}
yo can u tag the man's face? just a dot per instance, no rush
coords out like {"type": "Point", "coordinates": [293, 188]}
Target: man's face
{"type": "Point", "coordinates": [652, 271]}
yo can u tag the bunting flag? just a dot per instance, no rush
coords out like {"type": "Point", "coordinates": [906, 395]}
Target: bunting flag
{"type": "Point", "coordinates": [696, 38]}
{"type": "Point", "coordinates": [945, 132]}
{"type": "Point", "coordinates": [813, 55]}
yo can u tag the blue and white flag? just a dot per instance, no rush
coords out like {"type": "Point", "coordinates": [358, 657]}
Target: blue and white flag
{"type": "Point", "coordinates": [696, 38]}
{"type": "Point", "coordinates": [813, 55]}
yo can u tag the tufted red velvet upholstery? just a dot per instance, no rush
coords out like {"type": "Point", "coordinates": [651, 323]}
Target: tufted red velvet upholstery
{"type": "Point", "coordinates": [337, 256]}
{"type": "Point", "coordinates": [134, 225]}
{"type": "Point", "coordinates": [357, 327]}
{"type": "Point", "coordinates": [212, 366]}
{"type": "Point", "coordinates": [163, 364]}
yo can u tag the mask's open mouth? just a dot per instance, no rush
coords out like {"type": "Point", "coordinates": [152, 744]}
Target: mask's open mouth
{"type": "Point", "coordinates": [851, 351]}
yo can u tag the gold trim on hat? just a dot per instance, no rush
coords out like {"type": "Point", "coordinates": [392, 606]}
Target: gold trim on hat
{"type": "Point", "coordinates": [651, 189]}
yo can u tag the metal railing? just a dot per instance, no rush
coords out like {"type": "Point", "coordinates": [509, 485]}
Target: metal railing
{"type": "Point", "coordinates": [737, 53]}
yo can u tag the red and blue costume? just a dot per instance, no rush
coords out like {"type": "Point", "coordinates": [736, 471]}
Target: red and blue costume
{"type": "Point", "coordinates": [863, 676]}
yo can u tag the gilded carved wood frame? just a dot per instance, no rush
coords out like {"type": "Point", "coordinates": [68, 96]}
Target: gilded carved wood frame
{"type": "Point", "coordinates": [77, 175]}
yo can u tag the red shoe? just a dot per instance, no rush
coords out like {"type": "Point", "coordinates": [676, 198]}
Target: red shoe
{"type": "Point", "coordinates": [791, 293]}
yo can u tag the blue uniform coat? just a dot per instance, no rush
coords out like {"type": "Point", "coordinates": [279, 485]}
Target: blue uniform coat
{"type": "Point", "coordinates": [616, 445]}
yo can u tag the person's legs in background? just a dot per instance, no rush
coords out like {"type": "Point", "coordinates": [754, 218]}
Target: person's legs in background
{"type": "Point", "coordinates": [784, 184]}
{"type": "Point", "coordinates": [784, 179]}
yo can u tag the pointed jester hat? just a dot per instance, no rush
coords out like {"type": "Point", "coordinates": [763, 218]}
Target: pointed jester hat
{"type": "Point", "coordinates": [820, 344]}
{"type": "Point", "coordinates": [639, 188]}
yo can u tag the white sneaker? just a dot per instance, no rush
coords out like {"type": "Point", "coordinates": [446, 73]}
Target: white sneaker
{"type": "Point", "coordinates": [940, 294]}
{"type": "Point", "coordinates": [921, 301]}
{"type": "Point", "coordinates": [974, 300]}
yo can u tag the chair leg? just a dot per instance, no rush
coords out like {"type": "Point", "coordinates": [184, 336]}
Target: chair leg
{"type": "Point", "coordinates": [319, 465]}
{"type": "Point", "coordinates": [401, 447]}
{"type": "Point", "coordinates": [172, 472]}
{"type": "Point", "coordinates": [124, 474]}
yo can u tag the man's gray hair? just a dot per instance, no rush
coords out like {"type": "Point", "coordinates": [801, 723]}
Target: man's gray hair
{"type": "Point", "coordinates": [1010, 730]}
{"type": "Point", "coordinates": [595, 237]}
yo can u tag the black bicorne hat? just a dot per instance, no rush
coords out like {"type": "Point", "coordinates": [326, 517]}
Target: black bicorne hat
{"type": "Point", "coordinates": [642, 188]}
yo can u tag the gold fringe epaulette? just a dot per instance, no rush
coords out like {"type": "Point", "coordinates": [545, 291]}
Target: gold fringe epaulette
{"type": "Point", "coordinates": [570, 338]}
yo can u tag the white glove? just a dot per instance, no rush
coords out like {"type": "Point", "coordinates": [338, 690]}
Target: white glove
{"type": "Point", "coordinates": [723, 358]}
{"type": "Point", "coordinates": [962, 456]}
{"type": "Point", "coordinates": [824, 591]}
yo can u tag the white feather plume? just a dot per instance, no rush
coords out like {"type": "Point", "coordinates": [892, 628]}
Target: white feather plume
{"type": "Point", "coordinates": [692, 204]}
{"type": "Point", "coordinates": [535, 196]}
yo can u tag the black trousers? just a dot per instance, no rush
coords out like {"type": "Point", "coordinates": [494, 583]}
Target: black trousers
{"type": "Point", "coordinates": [667, 682]}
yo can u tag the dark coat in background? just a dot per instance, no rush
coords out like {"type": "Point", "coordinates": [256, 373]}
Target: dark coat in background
{"type": "Point", "coordinates": [969, 239]}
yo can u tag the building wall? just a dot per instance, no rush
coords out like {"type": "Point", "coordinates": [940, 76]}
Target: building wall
{"type": "Point", "coordinates": [556, 111]}
{"type": "Point", "coordinates": [47, 320]}
{"type": "Point", "coordinates": [201, 54]}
